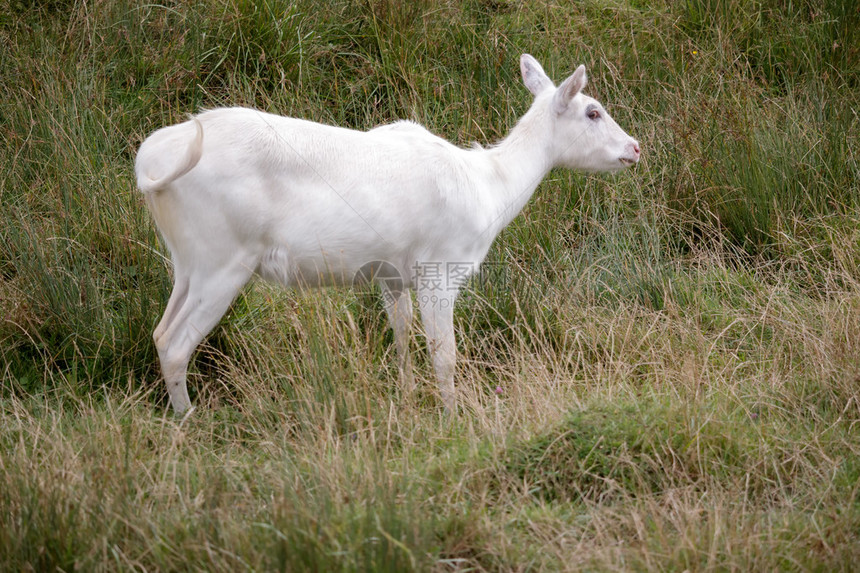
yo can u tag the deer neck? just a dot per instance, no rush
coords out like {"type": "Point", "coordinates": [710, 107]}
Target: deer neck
{"type": "Point", "coordinates": [520, 162]}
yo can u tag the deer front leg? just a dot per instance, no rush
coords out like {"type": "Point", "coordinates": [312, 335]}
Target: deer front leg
{"type": "Point", "coordinates": [398, 306]}
{"type": "Point", "coordinates": [437, 315]}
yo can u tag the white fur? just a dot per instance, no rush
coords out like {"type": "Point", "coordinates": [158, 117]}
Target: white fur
{"type": "Point", "coordinates": [237, 191]}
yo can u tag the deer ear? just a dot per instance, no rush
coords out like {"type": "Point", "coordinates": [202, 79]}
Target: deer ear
{"type": "Point", "coordinates": [534, 77]}
{"type": "Point", "coordinates": [568, 89]}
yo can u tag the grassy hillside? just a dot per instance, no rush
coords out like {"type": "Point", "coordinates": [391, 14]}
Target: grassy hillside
{"type": "Point", "coordinates": [660, 370]}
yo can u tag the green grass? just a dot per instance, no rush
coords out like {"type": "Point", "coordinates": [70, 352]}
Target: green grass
{"type": "Point", "coordinates": [659, 370]}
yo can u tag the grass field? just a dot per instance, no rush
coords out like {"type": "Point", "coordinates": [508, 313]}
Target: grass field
{"type": "Point", "coordinates": [660, 370]}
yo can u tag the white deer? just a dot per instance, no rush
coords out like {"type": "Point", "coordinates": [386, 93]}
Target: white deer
{"type": "Point", "coordinates": [237, 192]}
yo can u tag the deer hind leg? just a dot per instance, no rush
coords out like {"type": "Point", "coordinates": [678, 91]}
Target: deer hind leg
{"type": "Point", "coordinates": [174, 303]}
{"type": "Point", "coordinates": [198, 302]}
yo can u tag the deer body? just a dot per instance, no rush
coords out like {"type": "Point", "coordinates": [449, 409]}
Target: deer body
{"type": "Point", "coordinates": [237, 192]}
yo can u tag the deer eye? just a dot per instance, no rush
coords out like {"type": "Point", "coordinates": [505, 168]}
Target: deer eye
{"type": "Point", "coordinates": [593, 113]}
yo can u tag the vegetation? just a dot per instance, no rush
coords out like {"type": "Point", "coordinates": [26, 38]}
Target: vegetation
{"type": "Point", "coordinates": [660, 370]}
